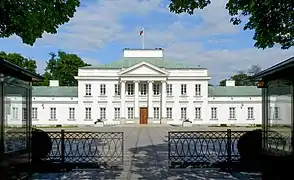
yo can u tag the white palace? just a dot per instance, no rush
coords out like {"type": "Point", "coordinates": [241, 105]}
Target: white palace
{"type": "Point", "coordinates": [143, 88]}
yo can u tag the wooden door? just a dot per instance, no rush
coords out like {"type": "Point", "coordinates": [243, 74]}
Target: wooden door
{"type": "Point", "coordinates": [143, 115]}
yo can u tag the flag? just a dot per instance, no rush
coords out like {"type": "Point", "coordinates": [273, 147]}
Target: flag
{"type": "Point", "coordinates": [141, 32]}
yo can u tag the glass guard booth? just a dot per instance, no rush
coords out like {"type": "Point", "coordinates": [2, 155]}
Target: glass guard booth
{"type": "Point", "coordinates": [277, 107]}
{"type": "Point", "coordinates": [15, 114]}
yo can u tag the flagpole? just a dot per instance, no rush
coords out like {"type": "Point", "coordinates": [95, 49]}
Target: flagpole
{"type": "Point", "coordinates": [143, 39]}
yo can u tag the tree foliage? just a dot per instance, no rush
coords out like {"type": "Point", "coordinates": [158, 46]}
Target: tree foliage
{"type": "Point", "coordinates": [29, 19]}
{"type": "Point", "coordinates": [272, 20]}
{"type": "Point", "coordinates": [242, 78]}
{"type": "Point", "coordinates": [63, 67]}
{"type": "Point", "coordinates": [19, 60]}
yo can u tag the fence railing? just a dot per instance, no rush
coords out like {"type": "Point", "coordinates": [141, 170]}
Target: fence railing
{"type": "Point", "coordinates": [208, 149]}
{"type": "Point", "coordinates": [98, 149]}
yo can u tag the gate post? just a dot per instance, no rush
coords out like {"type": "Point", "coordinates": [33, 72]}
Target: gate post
{"type": "Point", "coordinates": [229, 149]}
{"type": "Point", "coordinates": [62, 147]}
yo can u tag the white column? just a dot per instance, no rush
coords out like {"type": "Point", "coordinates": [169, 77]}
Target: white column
{"type": "Point", "coordinates": [136, 107]}
{"type": "Point", "coordinates": [150, 106]}
{"type": "Point", "coordinates": [163, 102]}
{"type": "Point", "coordinates": [122, 99]}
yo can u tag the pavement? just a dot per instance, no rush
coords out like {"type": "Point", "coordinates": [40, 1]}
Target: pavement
{"type": "Point", "coordinates": [146, 157]}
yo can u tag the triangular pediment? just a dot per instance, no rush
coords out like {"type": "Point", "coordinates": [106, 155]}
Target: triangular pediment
{"type": "Point", "coordinates": [144, 68]}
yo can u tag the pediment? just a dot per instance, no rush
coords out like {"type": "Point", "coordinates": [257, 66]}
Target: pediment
{"type": "Point", "coordinates": [144, 68]}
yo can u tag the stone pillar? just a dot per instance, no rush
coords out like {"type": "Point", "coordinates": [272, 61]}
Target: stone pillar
{"type": "Point", "coordinates": [136, 106]}
{"type": "Point", "coordinates": [163, 103]}
{"type": "Point", "coordinates": [122, 101]}
{"type": "Point", "coordinates": [150, 106]}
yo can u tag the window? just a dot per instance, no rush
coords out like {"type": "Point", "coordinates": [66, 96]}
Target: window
{"type": "Point", "coordinates": [116, 113]}
{"type": "Point", "coordinates": [156, 113]}
{"type": "Point", "coordinates": [198, 113]}
{"type": "Point", "coordinates": [102, 113]}
{"type": "Point", "coordinates": [183, 113]}
{"type": "Point", "coordinates": [102, 89]}
{"type": "Point", "coordinates": [143, 89]}
{"type": "Point", "coordinates": [88, 113]}
{"type": "Point", "coordinates": [130, 113]}
{"type": "Point", "coordinates": [71, 113]}
{"type": "Point", "coordinates": [232, 113]}
{"type": "Point", "coordinates": [117, 89]}
{"type": "Point", "coordinates": [34, 113]}
{"type": "Point", "coordinates": [53, 113]}
{"type": "Point", "coordinates": [213, 113]}
{"type": "Point", "coordinates": [169, 113]}
{"type": "Point", "coordinates": [88, 89]}
{"type": "Point", "coordinates": [276, 112]}
{"type": "Point", "coordinates": [155, 89]}
{"type": "Point", "coordinates": [250, 114]}
{"type": "Point", "coordinates": [183, 89]}
{"type": "Point", "coordinates": [15, 113]}
{"type": "Point", "coordinates": [169, 89]}
{"type": "Point", "coordinates": [24, 114]}
{"type": "Point", "coordinates": [197, 89]}
{"type": "Point", "coordinates": [130, 89]}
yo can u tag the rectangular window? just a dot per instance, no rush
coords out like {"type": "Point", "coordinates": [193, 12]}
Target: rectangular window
{"type": "Point", "coordinates": [24, 114]}
{"type": "Point", "coordinates": [88, 89]}
{"type": "Point", "coordinates": [130, 89]}
{"type": "Point", "coordinates": [88, 112]}
{"type": "Point", "coordinates": [276, 113]}
{"type": "Point", "coordinates": [130, 113]}
{"type": "Point", "coordinates": [53, 113]}
{"type": "Point", "coordinates": [143, 89]}
{"type": "Point", "coordinates": [183, 89]}
{"type": "Point", "coordinates": [102, 113]}
{"type": "Point", "coordinates": [34, 113]}
{"type": "Point", "coordinates": [15, 113]}
{"type": "Point", "coordinates": [71, 113]}
{"type": "Point", "coordinates": [169, 113]}
{"type": "Point", "coordinates": [116, 113]}
{"type": "Point", "coordinates": [183, 113]}
{"type": "Point", "coordinates": [117, 89]}
{"type": "Point", "coordinates": [156, 89]}
{"type": "Point", "coordinates": [232, 113]}
{"type": "Point", "coordinates": [214, 113]}
{"type": "Point", "coordinates": [156, 114]}
{"type": "Point", "coordinates": [102, 89]}
{"type": "Point", "coordinates": [169, 89]}
{"type": "Point", "coordinates": [198, 113]}
{"type": "Point", "coordinates": [250, 113]}
{"type": "Point", "coordinates": [197, 89]}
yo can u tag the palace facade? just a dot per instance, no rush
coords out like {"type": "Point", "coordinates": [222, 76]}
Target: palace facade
{"type": "Point", "coordinates": [143, 88]}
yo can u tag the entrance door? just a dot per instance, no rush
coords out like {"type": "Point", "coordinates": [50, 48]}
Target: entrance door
{"type": "Point", "coordinates": [143, 115]}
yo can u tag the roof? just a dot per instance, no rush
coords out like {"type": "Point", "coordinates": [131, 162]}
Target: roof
{"type": "Point", "coordinates": [7, 68]}
{"type": "Point", "coordinates": [213, 91]}
{"type": "Point", "coordinates": [289, 63]}
{"type": "Point", "coordinates": [128, 62]}
{"type": "Point", "coordinates": [55, 91]}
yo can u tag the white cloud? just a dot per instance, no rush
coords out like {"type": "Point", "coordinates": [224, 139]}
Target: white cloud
{"type": "Point", "coordinates": [97, 24]}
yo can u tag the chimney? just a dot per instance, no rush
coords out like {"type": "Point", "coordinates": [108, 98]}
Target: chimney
{"type": "Point", "coordinates": [53, 83]}
{"type": "Point", "coordinates": [230, 82]}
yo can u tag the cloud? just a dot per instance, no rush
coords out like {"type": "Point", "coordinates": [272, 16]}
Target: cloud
{"type": "Point", "coordinates": [185, 38]}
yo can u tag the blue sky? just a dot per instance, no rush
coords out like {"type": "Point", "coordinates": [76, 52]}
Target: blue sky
{"type": "Point", "coordinates": [101, 29]}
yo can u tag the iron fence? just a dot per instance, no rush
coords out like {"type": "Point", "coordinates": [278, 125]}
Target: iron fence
{"type": "Point", "coordinates": [209, 149]}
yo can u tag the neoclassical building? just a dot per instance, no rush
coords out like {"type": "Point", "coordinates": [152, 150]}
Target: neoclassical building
{"type": "Point", "coordinates": [143, 88]}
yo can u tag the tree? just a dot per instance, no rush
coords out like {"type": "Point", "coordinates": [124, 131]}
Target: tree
{"type": "Point", "coordinates": [19, 60]}
{"type": "Point", "coordinates": [272, 20]}
{"type": "Point", "coordinates": [30, 19]}
{"type": "Point", "coordinates": [254, 69]}
{"type": "Point", "coordinates": [63, 67]}
{"type": "Point", "coordinates": [210, 84]}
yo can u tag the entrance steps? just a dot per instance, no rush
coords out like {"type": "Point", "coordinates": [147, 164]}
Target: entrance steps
{"type": "Point", "coordinates": [143, 125]}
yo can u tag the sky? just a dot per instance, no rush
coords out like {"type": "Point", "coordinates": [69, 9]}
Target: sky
{"type": "Point", "coordinates": [101, 29]}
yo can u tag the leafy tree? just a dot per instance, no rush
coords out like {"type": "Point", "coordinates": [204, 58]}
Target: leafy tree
{"type": "Point", "coordinates": [19, 60]}
{"type": "Point", "coordinates": [272, 20]}
{"type": "Point", "coordinates": [30, 19]}
{"type": "Point", "coordinates": [63, 67]}
{"type": "Point", "coordinates": [254, 69]}
{"type": "Point", "coordinates": [210, 84]}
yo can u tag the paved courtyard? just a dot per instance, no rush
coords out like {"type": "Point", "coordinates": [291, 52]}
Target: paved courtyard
{"type": "Point", "coordinates": [146, 157]}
